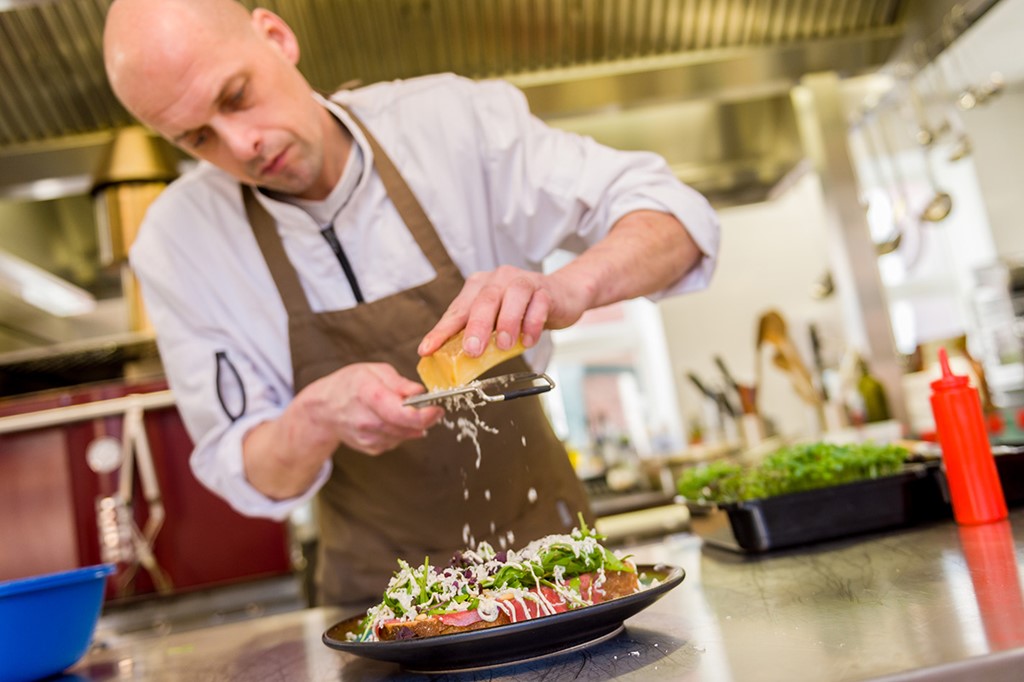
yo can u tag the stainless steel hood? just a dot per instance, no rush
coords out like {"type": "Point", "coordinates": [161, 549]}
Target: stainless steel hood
{"type": "Point", "coordinates": [54, 85]}
{"type": "Point", "coordinates": [570, 56]}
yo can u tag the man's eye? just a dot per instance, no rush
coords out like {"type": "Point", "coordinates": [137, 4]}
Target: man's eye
{"type": "Point", "coordinates": [197, 138]}
{"type": "Point", "coordinates": [238, 98]}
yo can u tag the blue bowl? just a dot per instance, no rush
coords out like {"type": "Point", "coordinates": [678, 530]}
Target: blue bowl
{"type": "Point", "coordinates": [47, 621]}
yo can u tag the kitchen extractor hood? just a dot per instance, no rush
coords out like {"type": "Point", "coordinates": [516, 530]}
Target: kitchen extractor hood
{"type": "Point", "coordinates": [41, 289]}
{"type": "Point", "coordinates": [136, 167]}
{"type": "Point", "coordinates": [570, 57]}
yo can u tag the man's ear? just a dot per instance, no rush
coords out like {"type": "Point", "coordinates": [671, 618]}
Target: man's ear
{"type": "Point", "coordinates": [273, 28]}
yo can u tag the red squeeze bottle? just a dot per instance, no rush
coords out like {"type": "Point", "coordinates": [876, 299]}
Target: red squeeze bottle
{"type": "Point", "coordinates": [967, 456]}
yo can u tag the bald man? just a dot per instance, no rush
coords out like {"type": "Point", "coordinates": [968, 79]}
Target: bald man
{"type": "Point", "coordinates": [295, 276]}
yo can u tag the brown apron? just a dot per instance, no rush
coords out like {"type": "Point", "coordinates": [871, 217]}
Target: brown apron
{"type": "Point", "coordinates": [428, 497]}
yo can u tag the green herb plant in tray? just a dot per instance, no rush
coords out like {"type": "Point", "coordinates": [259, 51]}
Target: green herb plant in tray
{"type": "Point", "coordinates": [791, 469]}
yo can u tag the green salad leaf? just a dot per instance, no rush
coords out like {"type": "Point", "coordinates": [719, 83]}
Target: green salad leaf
{"type": "Point", "coordinates": [792, 469]}
{"type": "Point", "coordinates": [559, 554]}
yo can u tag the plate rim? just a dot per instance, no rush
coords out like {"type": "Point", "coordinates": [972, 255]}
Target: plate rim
{"type": "Point", "coordinates": [615, 631]}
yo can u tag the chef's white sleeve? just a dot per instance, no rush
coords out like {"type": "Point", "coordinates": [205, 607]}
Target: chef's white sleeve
{"type": "Point", "coordinates": [212, 373]}
{"type": "Point", "coordinates": [554, 189]}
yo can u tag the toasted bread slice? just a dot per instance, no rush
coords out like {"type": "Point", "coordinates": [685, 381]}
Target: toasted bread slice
{"type": "Point", "coordinates": [450, 367]}
{"type": "Point", "coordinates": [616, 584]}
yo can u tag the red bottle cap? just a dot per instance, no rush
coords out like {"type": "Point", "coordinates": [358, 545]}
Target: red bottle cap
{"type": "Point", "coordinates": [948, 380]}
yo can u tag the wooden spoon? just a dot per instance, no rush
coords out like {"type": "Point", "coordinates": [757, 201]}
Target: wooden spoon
{"type": "Point", "coordinates": [772, 331]}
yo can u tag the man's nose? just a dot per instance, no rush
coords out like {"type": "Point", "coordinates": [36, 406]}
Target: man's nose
{"type": "Point", "coordinates": [244, 141]}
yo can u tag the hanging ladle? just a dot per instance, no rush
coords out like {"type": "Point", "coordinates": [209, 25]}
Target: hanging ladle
{"type": "Point", "coordinates": [900, 208]}
{"type": "Point", "coordinates": [940, 87]}
{"type": "Point", "coordinates": [969, 96]}
{"type": "Point", "coordinates": [824, 286]}
{"type": "Point", "coordinates": [920, 103]}
{"type": "Point", "coordinates": [941, 203]}
{"type": "Point", "coordinates": [924, 133]}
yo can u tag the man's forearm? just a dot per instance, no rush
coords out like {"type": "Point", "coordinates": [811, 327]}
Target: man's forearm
{"type": "Point", "coordinates": [281, 463]}
{"type": "Point", "coordinates": [359, 406]}
{"type": "Point", "coordinates": [645, 252]}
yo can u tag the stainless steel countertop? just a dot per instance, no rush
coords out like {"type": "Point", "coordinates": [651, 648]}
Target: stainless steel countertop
{"type": "Point", "coordinates": [938, 602]}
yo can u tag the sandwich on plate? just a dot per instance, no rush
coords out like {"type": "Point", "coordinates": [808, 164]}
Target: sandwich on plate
{"type": "Point", "coordinates": [482, 588]}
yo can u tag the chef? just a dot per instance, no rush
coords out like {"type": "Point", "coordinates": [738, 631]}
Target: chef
{"type": "Point", "coordinates": [322, 245]}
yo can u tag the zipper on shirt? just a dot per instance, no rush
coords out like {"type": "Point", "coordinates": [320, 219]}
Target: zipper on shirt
{"type": "Point", "coordinates": [350, 275]}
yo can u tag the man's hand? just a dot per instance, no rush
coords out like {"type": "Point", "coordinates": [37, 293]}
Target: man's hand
{"type": "Point", "coordinates": [511, 302]}
{"type": "Point", "coordinates": [644, 252]}
{"type": "Point", "coordinates": [359, 406]}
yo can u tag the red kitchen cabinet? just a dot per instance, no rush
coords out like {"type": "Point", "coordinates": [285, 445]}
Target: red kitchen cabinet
{"type": "Point", "coordinates": [48, 498]}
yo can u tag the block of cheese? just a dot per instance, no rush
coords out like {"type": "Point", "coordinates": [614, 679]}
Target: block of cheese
{"type": "Point", "coordinates": [450, 367]}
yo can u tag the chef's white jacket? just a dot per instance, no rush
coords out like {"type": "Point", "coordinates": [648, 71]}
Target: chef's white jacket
{"type": "Point", "coordinates": [499, 186]}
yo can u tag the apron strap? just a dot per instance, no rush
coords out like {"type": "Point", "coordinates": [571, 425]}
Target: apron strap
{"type": "Point", "coordinates": [407, 205]}
{"type": "Point", "coordinates": [409, 209]}
{"type": "Point", "coordinates": [264, 227]}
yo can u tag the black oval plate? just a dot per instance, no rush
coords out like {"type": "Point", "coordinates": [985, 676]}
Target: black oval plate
{"type": "Point", "coordinates": [516, 642]}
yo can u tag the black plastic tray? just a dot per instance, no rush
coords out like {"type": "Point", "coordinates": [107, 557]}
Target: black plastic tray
{"type": "Point", "coordinates": [1009, 458]}
{"type": "Point", "coordinates": [911, 497]}
{"type": "Point", "coordinates": [1010, 465]}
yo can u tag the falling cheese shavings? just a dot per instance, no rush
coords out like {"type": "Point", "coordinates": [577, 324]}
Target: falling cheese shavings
{"type": "Point", "coordinates": [469, 429]}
